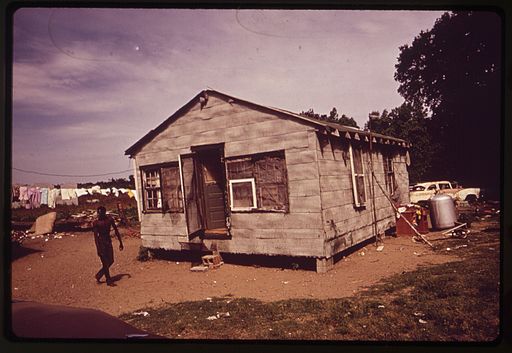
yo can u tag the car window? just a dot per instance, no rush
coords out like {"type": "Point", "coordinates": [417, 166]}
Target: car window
{"type": "Point", "coordinates": [444, 186]}
{"type": "Point", "coordinates": [418, 188]}
{"type": "Point", "coordinates": [432, 187]}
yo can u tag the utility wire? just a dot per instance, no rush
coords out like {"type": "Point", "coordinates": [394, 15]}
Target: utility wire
{"type": "Point", "coordinates": [71, 175]}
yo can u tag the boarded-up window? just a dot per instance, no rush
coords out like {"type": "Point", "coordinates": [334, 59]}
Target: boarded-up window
{"type": "Point", "coordinates": [270, 182]}
{"type": "Point", "coordinates": [356, 163]}
{"type": "Point", "coordinates": [162, 188]}
{"type": "Point", "coordinates": [389, 173]}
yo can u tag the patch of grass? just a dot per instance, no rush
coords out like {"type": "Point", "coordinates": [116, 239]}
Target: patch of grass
{"type": "Point", "coordinates": [456, 301]}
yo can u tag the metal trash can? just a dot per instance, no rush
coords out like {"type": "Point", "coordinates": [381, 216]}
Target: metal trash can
{"type": "Point", "coordinates": [442, 212]}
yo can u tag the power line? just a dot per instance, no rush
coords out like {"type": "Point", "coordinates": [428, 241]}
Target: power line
{"type": "Point", "coordinates": [71, 175]}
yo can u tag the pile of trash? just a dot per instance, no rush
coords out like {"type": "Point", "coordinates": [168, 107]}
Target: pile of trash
{"type": "Point", "coordinates": [18, 236]}
{"type": "Point", "coordinates": [86, 218]}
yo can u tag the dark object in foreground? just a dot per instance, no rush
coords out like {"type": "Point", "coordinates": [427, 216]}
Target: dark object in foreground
{"type": "Point", "coordinates": [36, 320]}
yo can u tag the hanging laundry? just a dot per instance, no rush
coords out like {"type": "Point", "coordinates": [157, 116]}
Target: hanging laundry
{"type": "Point", "coordinates": [130, 193]}
{"type": "Point", "coordinates": [65, 193]}
{"type": "Point", "coordinates": [35, 198]}
{"type": "Point", "coordinates": [81, 192]}
{"type": "Point", "coordinates": [52, 197]}
{"type": "Point", "coordinates": [115, 191]}
{"type": "Point", "coordinates": [23, 193]}
{"type": "Point", "coordinates": [44, 196]}
{"type": "Point", "coordinates": [105, 192]}
{"type": "Point", "coordinates": [94, 190]}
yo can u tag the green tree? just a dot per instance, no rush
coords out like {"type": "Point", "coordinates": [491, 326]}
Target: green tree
{"type": "Point", "coordinates": [411, 124]}
{"type": "Point", "coordinates": [453, 71]}
{"type": "Point", "coordinates": [332, 117]}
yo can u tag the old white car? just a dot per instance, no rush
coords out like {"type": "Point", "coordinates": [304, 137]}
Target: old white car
{"type": "Point", "coordinates": [422, 192]}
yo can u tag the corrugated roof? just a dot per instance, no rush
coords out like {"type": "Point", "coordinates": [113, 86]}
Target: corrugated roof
{"type": "Point", "coordinates": [328, 127]}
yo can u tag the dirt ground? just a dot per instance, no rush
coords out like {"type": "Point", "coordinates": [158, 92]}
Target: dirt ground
{"type": "Point", "coordinates": [60, 271]}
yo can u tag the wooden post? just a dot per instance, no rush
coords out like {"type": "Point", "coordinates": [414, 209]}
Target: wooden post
{"type": "Point", "coordinates": [378, 239]}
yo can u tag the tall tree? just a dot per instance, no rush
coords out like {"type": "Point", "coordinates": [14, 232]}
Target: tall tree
{"type": "Point", "coordinates": [454, 71]}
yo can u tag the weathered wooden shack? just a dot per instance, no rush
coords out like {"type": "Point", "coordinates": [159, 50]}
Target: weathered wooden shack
{"type": "Point", "coordinates": [227, 174]}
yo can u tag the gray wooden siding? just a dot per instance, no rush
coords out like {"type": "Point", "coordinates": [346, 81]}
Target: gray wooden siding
{"type": "Point", "coordinates": [344, 224]}
{"type": "Point", "coordinates": [245, 131]}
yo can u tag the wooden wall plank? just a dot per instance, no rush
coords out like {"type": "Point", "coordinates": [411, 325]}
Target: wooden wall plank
{"type": "Point", "coordinates": [162, 230]}
{"type": "Point", "coordinates": [305, 204]}
{"type": "Point", "coordinates": [270, 220]}
{"type": "Point", "coordinates": [313, 247]}
{"type": "Point", "coordinates": [299, 156]}
{"type": "Point", "coordinates": [304, 171]}
{"type": "Point", "coordinates": [289, 233]}
{"type": "Point", "coordinates": [308, 187]}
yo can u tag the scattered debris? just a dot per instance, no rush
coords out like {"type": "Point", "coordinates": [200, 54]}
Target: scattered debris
{"type": "Point", "coordinates": [448, 249]}
{"type": "Point", "coordinates": [380, 248]}
{"type": "Point", "coordinates": [285, 282]}
{"type": "Point", "coordinates": [141, 313]}
{"type": "Point", "coordinates": [381, 307]}
{"type": "Point", "coordinates": [418, 313]}
{"type": "Point", "coordinates": [226, 314]}
{"type": "Point", "coordinates": [212, 261]}
{"type": "Point", "coordinates": [421, 321]}
{"type": "Point", "coordinates": [213, 317]}
{"type": "Point", "coordinates": [460, 246]}
{"type": "Point", "coordinates": [200, 268]}
{"type": "Point", "coordinates": [137, 335]}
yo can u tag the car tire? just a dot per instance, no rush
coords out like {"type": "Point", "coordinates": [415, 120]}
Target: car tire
{"type": "Point", "coordinates": [471, 198]}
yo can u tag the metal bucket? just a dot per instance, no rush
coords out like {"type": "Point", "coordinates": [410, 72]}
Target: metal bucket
{"type": "Point", "coordinates": [442, 212]}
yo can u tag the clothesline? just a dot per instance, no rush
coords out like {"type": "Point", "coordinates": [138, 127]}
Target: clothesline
{"type": "Point", "coordinates": [34, 196]}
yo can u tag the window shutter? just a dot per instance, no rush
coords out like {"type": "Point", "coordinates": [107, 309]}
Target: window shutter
{"type": "Point", "coordinates": [171, 190]}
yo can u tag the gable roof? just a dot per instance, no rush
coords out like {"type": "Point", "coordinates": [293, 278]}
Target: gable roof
{"type": "Point", "coordinates": [326, 127]}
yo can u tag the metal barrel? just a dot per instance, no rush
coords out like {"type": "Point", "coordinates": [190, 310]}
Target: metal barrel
{"type": "Point", "coordinates": [442, 211]}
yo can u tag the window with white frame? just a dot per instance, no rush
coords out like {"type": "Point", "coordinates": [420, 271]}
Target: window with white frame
{"type": "Point", "coordinates": [258, 182]}
{"type": "Point", "coordinates": [242, 194]}
{"type": "Point", "coordinates": [389, 173]}
{"type": "Point", "coordinates": [161, 187]}
{"type": "Point", "coordinates": [356, 166]}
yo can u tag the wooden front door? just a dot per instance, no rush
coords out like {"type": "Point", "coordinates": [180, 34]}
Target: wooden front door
{"type": "Point", "coordinates": [214, 185]}
{"type": "Point", "coordinates": [191, 193]}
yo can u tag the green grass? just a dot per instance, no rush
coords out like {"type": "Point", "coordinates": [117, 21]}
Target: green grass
{"type": "Point", "coordinates": [458, 301]}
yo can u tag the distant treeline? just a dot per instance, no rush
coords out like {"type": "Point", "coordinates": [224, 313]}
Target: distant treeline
{"type": "Point", "coordinates": [112, 183]}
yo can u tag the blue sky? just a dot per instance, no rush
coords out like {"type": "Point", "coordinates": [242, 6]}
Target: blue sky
{"type": "Point", "coordinates": [88, 83]}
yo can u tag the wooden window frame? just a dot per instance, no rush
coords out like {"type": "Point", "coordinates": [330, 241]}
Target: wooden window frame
{"type": "Point", "coordinates": [389, 173]}
{"type": "Point", "coordinates": [354, 175]}
{"type": "Point", "coordinates": [160, 198]}
{"type": "Point", "coordinates": [254, 198]}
